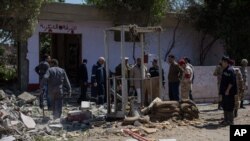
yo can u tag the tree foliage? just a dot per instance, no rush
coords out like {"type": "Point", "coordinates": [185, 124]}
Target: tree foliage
{"type": "Point", "coordinates": [151, 10]}
{"type": "Point", "coordinates": [228, 21]}
{"type": "Point", "coordinates": [18, 18]}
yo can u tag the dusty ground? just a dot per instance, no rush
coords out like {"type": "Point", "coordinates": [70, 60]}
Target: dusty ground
{"type": "Point", "coordinates": [208, 128]}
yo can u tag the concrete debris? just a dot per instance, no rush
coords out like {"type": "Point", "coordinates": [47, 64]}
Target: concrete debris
{"type": "Point", "coordinates": [9, 138]}
{"type": "Point", "coordinates": [79, 115]}
{"type": "Point", "coordinates": [149, 130]}
{"type": "Point", "coordinates": [27, 97]}
{"type": "Point", "coordinates": [2, 95]}
{"type": "Point", "coordinates": [28, 121]}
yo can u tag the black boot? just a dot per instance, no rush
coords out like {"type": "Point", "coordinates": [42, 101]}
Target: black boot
{"type": "Point", "coordinates": [241, 104]}
{"type": "Point", "coordinates": [230, 116]}
{"type": "Point", "coordinates": [219, 106]}
{"type": "Point", "coordinates": [235, 113]}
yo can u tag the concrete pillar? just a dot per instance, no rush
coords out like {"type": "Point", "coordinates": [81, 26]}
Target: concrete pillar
{"type": "Point", "coordinates": [23, 66]}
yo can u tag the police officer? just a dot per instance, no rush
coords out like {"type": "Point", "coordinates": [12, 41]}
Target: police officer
{"type": "Point", "coordinates": [228, 90]}
{"type": "Point", "coordinates": [41, 69]}
{"type": "Point", "coordinates": [98, 80]}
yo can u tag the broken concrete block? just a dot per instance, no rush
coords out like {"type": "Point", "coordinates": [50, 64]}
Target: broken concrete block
{"type": "Point", "coordinates": [85, 105]}
{"type": "Point", "coordinates": [28, 121]}
{"type": "Point", "coordinates": [137, 123]}
{"type": "Point", "coordinates": [9, 138]}
{"type": "Point", "coordinates": [3, 114]}
{"type": "Point", "coordinates": [27, 97]}
{"type": "Point", "coordinates": [2, 95]}
{"type": "Point", "coordinates": [78, 115]}
{"type": "Point", "coordinates": [56, 127]}
{"type": "Point", "coordinates": [149, 130]}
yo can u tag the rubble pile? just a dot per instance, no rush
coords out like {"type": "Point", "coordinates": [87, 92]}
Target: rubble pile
{"type": "Point", "coordinates": [14, 119]}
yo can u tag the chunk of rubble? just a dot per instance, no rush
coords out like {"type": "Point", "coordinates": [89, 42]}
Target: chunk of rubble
{"type": "Point", "coordinates": [27, 97]}
{"type": "Point", "coordinates": [79, 115]}
{"type": "Point", "coordinates": [28, 121]}
{"type": "Point", "coordinates": [9, 138]}
{"type": "Point", "coordinates": [2, 95]}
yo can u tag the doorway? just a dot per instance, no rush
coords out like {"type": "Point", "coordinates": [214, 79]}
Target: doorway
{"type": "Point", "coordinates": [66, 48]}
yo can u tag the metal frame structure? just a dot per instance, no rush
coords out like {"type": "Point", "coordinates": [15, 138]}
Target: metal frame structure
{"type": "Point", "coordinates": [124, 98]}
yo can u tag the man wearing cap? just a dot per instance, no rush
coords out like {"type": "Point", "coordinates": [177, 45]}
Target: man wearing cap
{"type": "Point", "coordinates": [83, 76]}
{"type": "Point", "coordinates": [186, 79]}
{"type": "Point", "coordinates": [173, 78]}
{"type": "Point", "coordinates": [228, 90]}
{"type": "Point", "coordinates": [118, 72]}
{"type": "Point", "coordinates": [137, 77]}
{"type": "Point", "coordinates": [243, 70]}
{"type": "Point", "coordinates": [98, 80]}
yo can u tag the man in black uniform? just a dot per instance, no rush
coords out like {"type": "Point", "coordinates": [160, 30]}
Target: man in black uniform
{"type": "Point", "coordinates": [98, 80]}
{"type": "Point", "coordinates": [228, 90]}
{"type": "Point", "coordinates": [41, 69]}
{"type": "Point", "coordinates": [154, 71]}
{"type": "Point", "coordinates": [83, 75]}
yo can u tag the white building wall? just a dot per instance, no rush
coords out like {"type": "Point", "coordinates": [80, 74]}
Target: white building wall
{"type": "Point", "coordinates": [187, 44]}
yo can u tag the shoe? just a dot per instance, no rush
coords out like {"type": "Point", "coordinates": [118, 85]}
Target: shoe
{"type": "Point", "coordinates": [242, 107]}
{"type": "Point", "coordinates": [223, 123]}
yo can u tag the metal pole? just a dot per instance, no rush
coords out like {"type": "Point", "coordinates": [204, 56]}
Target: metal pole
{"type": "Point", "coordinates": [107, 72]}
{"type": "Point", "coordinates": [160, 65]}
{"type": "Point", "coordinates": [124, 86]}
{"type": "Point", "coordinates": [142, 69]}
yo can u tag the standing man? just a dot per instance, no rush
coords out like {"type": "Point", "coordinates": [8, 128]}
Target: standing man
{"type": "Point", "coordinates": [228, 90]}
{"type": "Point", "coordinates": [243, 70]}
{"type": "Point", "coordinates": [188, 62]}
{"type": "Point", "coordinates": [83, 75]}
{"type": "Point", "coordinates": [154, 73]}
{"type": "Point", "coordinates": [240, 86]}
{"type": "Point", "coordinates": [98, 80]}
{"type": "Point", "coordinates": [41, 70]}
{"type": "Point", "coordinates": [173, 78]}
{"type": "Point", "coordinates": [118, 74]}
{"type": "Point", "coordinates": [218, 73]}
{"type": "Point", "coordinates": [137, 77]}
{"type": "Point", "coordinates": [186, 79]}
{"type": "Point", "coordinates": [57, 79]}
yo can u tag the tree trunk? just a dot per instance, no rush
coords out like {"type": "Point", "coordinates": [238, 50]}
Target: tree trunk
{"type": "Point", "coordinates": [23, 66]}
{"type": "Point", "coordinates": [173, 40]}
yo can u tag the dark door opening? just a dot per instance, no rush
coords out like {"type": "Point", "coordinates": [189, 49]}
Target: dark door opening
{"type": "Point", "coordinates": [66, 48]}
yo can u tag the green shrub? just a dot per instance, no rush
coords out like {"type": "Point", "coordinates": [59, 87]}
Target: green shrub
{"type": "Point", "coordinates": [7, 73]}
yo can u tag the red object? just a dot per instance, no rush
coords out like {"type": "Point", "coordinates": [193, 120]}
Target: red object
{"type": "Point", "coordinates": [181, 62]}
{"type": "Point", "coordinates": [33, 87]}
{"type": "Point", "coordinates": [187, 75]}
{"type": "Point", "coordinates": [135, 135]}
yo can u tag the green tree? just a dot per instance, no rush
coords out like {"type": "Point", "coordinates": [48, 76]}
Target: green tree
{"type": "Point", "coordinates": [228, 21]}
{"type": "Point", "coordinates": [18, 18]}
{"type": "Point", "coordinates": [141, 12]}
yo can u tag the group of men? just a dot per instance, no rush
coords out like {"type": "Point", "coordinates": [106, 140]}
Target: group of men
{"type": "Point", "coordinates": [98, 78]}
{"type": "Point", "coordinates": [232, 85]}
{"type": "Point", "coordinates": [232, 82]}
{"type": "Point", "coordinates": [180, 76]}
{"type": "Point", "coordinates": [53, 80]}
